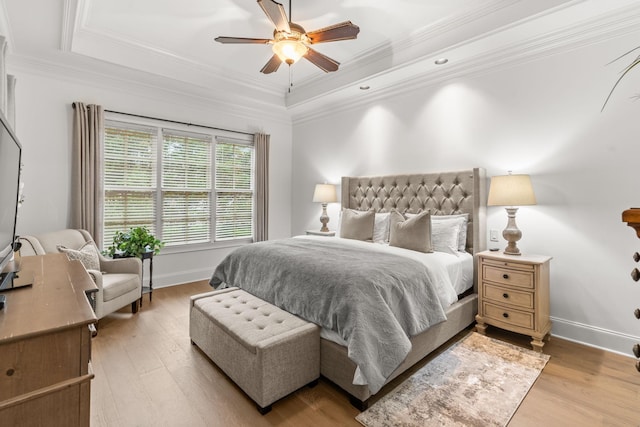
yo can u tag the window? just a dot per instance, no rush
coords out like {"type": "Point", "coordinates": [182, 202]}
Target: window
{"type": "Point", "coordinates": [186, 187]}
{"type": "Point", "coordinates": [234, 190]}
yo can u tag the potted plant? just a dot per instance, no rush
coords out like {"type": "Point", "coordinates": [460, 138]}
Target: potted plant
{"type": "Point", "coordinates": [628, 68]}
{"type": "Point", "coordinates": [134, 243]}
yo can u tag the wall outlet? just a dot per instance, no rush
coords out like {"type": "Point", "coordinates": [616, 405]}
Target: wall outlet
{"type": "Point", "coordinates": [493, 235]}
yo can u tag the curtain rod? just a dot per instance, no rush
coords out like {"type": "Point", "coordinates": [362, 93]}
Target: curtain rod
{"type": "Point", "coordinates": [175, 121]}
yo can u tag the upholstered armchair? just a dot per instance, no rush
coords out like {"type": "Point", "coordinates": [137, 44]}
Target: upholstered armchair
{"type": "Point", "coordinates": [119, 281]}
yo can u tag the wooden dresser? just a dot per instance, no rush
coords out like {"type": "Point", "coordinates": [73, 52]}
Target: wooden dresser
{"type": "Point", "coordinates": [513, 294]}
{"type": "Point", "coordinates": [45, 346]}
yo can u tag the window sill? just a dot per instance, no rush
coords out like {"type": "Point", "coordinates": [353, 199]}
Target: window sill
{"type": "Point", "coordinates": [199, 247]}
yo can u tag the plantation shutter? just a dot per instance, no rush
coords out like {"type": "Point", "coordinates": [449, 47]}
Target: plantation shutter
{"type": "Point", "coordinates": [129, 178]}
{"type": "Point", "coordinates": [234, 180]}
{"type": "Point", "coordinates": [186, 187]}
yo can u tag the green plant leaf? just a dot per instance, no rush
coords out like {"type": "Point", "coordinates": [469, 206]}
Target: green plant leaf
{"type": "Point", "coordinates": [624, 73]}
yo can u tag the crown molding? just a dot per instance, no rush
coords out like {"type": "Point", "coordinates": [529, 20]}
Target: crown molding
{"type": "Point", "coordinates": [5, 27]}
{"type": "Point", "coordinates": [69, 22]}
{"type": "Point", "coordinates": [421, 73]}
{"type": "Point", "coordinates": [77, 69]}
{"type": "Point", "coordinates": [429, 43]}
{"type": "Point", "coordinates": [111, 47]}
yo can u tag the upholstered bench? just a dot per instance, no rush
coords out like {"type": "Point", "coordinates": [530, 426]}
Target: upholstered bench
{"type": "Point", "coordinates": [268, 352]}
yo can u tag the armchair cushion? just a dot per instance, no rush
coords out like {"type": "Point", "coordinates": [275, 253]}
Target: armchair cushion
{"type": "Point", "coordinates": [116, 284]}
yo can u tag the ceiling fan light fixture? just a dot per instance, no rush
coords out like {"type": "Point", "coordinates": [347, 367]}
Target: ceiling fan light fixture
{"type": "Point", "coordinates": [290, 46]}
{"type": "Point", "coordinates": [290, 51]}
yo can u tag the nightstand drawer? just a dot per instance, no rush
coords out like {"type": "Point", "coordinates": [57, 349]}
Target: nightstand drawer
{"type": "Point", "coordinates": [523, 279]}
{"type": "Point", "coordinates": [521, 299]}
{"type": "Point", "coordinates": [509, 316]}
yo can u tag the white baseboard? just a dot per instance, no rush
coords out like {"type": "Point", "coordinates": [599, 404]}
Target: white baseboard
{"type": "Point", "coordinates": [179, 278]}
{"type": "Point", "coordinates": [594, 336]}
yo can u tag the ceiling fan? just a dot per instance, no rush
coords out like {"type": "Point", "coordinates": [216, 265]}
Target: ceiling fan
{"type": "Point", "coordinates": [291, 42]}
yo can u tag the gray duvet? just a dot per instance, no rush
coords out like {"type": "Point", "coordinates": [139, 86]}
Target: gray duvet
{"type": "Point", "coordinates": [373, 300]}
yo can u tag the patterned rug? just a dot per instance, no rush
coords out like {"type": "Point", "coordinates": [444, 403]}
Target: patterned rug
{"type": "Point", "coordinates": [479, 381]}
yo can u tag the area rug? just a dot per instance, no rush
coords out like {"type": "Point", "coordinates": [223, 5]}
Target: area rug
{"type": "Point", "coordinates": [479, 381]}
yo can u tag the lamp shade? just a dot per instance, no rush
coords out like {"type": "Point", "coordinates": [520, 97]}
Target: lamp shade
{"type": "Point", "coordinates": [511, 190]}
{"type": "Point", "coordinates": [290, 51]}
{"type": "Point", "coordinates": [325, 193]}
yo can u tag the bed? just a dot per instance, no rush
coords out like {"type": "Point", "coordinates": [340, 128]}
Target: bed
{"type": "Point", "coordinates": [447, 194]}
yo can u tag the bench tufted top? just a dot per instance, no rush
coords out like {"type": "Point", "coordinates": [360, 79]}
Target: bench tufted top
{"type": "Point", "coordinates": [246, 318]}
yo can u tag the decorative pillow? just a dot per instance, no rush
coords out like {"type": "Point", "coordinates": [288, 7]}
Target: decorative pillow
{"type": "Point", "coordinates": [381, 228]}
{"type": "Point", "coordinates": [87, 255]}
{"type": "Point", "coordinates": [464, 221]}
{"type": "Point", "coordinates": [357, 225]}
{"type": "Point", "coordinates": [444, 235]}
{"type": "Point", "coordinates": [413, 233]}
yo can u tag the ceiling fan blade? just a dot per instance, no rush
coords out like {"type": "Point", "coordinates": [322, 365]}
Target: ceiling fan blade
{"type": "Point", "coordinates": [272, 65]}
{"type": "Point", "coordinates": [276, 14]}
{"type": "Point", "coordinates": [342, 31]}
{"type": "Point", "coordinates": [238, 40]}
{"type": "Point", "coordinates": [325, 63]}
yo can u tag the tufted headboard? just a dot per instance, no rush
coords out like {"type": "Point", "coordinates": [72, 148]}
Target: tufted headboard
{"type": "Point", "coordinates": [442, 193]}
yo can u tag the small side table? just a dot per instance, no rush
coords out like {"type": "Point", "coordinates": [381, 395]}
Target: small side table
{"type": "Point", "coordinates": [147, 289]}
{"type": "Point", "coordinates": [513, 294]}
{"type": "Point", "coordinates": [321, 233]}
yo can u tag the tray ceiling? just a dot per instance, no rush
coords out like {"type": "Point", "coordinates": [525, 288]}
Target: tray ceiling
{"type": "Point", "coordinates": [398, 40]}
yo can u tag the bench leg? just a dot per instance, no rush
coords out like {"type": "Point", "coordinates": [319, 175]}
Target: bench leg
{"type": "Point", "coordinates": [264, 410]}
{"type": "Point", "coordinates": [134, 307]}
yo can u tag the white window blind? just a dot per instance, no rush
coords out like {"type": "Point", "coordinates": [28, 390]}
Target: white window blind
{"type": "Point", "coordinates": [169, 180]}
{"type": "Point", "coordinates": [129, 178]}
{"type": "Point", "coordinates": [234, 180]}
{"type": "Point", "coordinates": [186, 187]}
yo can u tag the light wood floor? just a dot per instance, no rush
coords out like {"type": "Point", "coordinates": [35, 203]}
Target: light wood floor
{"type": "Point", "coordinates": [147, 373]}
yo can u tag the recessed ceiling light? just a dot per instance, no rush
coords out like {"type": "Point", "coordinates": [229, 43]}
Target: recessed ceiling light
{"type": "Point", "coordinates": [365, 87]}
{"type": "Point", "coordinates": [441, 61]}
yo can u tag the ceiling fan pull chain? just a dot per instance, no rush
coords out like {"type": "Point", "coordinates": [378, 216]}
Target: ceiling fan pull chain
{"type": "Point", "coordinates": [290, 75]}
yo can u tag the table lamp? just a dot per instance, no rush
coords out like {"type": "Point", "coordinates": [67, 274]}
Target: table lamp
{"type": "Point", "coordinates": [511, 191]}
{"type": "Point", "coordinates": [325, 193]}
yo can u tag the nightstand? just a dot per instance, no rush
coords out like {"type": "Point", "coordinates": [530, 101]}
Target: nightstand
{"type": "Point", "coordinates": [513, 294]}
{"type": "Point", "coordinates": [321, 233]}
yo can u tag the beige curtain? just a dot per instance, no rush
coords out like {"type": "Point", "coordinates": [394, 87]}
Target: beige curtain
{"type": "Point", "coordinates": [261, 143]}
{"type": "Point", "coordinates": [87, 195]}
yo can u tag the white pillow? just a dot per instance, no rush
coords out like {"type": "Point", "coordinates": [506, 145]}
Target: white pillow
{"type": "Point", "coordinates": [381, 228]}
{"type": "Point", "coordinates": [444, 236]}
{"type": "Point", "coordinates": [462, 235]}
{"type": "Point", "coordinates": [87, 255]}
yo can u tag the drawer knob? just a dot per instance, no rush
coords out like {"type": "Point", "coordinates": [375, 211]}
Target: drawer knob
{"type": "Point", "coordinates": [505, 276]}
{"type": "Point", "coordinates": [636, 257]}
{"type": "Point", "coordinates": [10, 372]}
{"type": "Point", "coordinates": [636, 350]}
{"type": "Point", "coordinates": [635, 274]}
{"type": "Point", "coordinates": [636, 313]}
{"type": "Point", "coordinates": [505, 295]}
{"type": "Point", "coordinates": [505, 315]}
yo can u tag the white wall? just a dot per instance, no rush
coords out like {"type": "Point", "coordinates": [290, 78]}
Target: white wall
{"type": "Point", "coordinates": [543, 119]}
{"type": "Point", "coordinates": [44, 127]}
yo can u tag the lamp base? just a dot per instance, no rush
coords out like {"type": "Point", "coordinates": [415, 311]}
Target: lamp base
{"type": "Point", "coordinates": [512, 234]}
{"type": "Point", "coordinates": [324, 218]}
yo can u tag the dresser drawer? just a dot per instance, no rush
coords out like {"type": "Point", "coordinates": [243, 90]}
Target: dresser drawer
{"type": "Point", "coordinates": [510, 277]}
{"type": "Point", "coordinates": [520, 299]}
{"type": "Point", "coordinates": [509, 316]}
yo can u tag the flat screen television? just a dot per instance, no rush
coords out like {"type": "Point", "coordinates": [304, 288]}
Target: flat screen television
{"type": "Point", "coordinates": [10, 158]}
